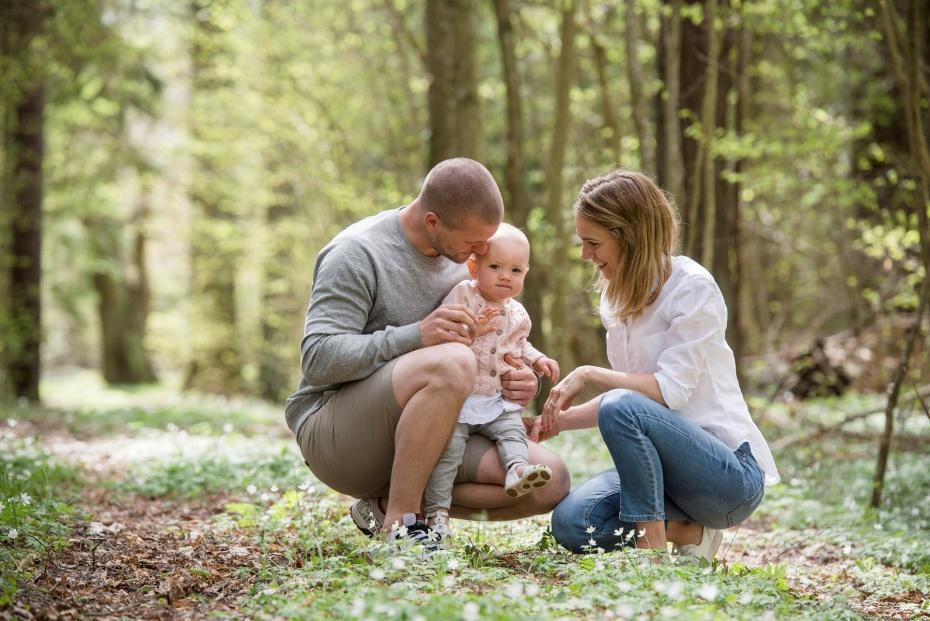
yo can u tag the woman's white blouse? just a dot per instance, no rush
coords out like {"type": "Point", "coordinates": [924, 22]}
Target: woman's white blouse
{"type": "Point", "coordinates": [680, 338]}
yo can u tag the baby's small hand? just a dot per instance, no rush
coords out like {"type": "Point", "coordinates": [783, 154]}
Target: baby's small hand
{"type": "Point", "coordinates": [485, 316]}
{"type": "Point", "coordinates": [548, 367]}
{"type": "Point", "coordinates": [513, 361]}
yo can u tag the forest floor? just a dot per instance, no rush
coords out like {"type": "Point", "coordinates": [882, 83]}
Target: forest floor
{"type": "Point", "coordinates": [149, 504]}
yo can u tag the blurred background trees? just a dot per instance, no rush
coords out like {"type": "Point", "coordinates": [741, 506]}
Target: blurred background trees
{"type": "Point", "coordinates": [169, 170]}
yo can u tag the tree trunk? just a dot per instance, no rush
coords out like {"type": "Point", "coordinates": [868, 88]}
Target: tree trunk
{"type": "Point", "coordinates": [555, 206]}
{"type": "Point", "coordinates": [22, 20]}
{"type": "Point", "coordinates": [216, 359]}
{"type": "Point", "coordinates": [672, 170]}
{"type": "Point", "coordinates": [24, 361]}
{"type": "Point", "coordinates": [637, 101]}
{"type": "Point", "coordinates": [906, 65]}
{"type": "Point", "coordinates": [451, 60]}
{"type": "Point", "coordinates": [518, 204]}
{"type": "Point", "coordinates": [123, 298]}
{"type": "Point", "coordinates": [610, 115]}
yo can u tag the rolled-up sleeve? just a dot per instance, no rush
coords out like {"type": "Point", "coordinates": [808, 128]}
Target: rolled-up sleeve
{"type": "Point", "coordinates": [695, 316]}
{"type": "Point", "coordinates": [334, 349]}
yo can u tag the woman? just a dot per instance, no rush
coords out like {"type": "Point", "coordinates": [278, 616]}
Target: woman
{"type": "Point", "coordinates": [688, 459]}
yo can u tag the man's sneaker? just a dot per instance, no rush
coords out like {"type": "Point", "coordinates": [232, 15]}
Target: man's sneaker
{"type": "Point", "coordinates": [535, 475]}
{"type": "Point", "coordinates": [439, 522]}
{"type": "Point", "coordinates": [414, 531]}
{"type": "Point", "coordinates": [706, 550]}
{"type": "Point", "coordinates": [367, 515]}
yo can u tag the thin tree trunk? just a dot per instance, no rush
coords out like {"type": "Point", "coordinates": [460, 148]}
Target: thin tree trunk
{"type": "Point", "coordinates": [638, 102]}
{"type": "Point", "coordinates": [515, 187]}
{"type": "Point", "coordinates": [907, 69]}
{"type": "Point", "coordinates": [607, 106]}
{"type": "Point", "coordinates": [555, 206]}
{"type": "Point", "coordinates": [673, 163]}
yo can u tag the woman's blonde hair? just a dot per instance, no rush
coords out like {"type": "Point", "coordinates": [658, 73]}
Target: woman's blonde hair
{"type": "Point", "coordinates": [643, 219]}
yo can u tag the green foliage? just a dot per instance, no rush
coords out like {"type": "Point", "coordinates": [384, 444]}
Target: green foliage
{"type": "Point", "coordinates": [32, 507]}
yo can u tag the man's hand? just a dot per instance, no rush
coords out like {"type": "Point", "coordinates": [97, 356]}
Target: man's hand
{"type": "Point", "coordinates": [519, 384]}
{"type": "Point", "coordinates": [450, 323]}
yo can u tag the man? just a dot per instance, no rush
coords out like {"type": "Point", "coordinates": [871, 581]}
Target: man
{"type": "Point", "coordinates": [386, 368]}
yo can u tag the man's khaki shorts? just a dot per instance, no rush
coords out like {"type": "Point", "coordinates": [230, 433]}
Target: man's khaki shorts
{"type": "Point", "coordinates": [349, 442]}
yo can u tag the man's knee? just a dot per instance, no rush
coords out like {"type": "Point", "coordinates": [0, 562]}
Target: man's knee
{"type": "Point", "coordinates": [452, 366]}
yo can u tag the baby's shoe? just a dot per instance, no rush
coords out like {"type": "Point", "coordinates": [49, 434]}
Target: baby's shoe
{"type": "Point", "coordinates": [439, 523]}
{"type": "Point", "coordinates": [533, 476]}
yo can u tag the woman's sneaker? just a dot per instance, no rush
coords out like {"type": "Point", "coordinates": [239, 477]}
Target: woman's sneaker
{"type": "Point", "coordinates": [711, 539]}
{"type": "Point", "coordinates": [367, 515]}
{"type": "Point", "coordinates": [533, 476]}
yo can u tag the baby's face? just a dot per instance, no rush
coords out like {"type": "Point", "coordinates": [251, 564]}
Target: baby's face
{"type": "Point", "coordinates": [502, 269]}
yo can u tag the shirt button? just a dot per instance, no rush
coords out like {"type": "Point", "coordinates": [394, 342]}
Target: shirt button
{"type": "Point", "coordinates": [493, 350]}
{"type": "Point", "coordinates": [493, 372]}
{"type": "Point", "coordinates": [499, 332]}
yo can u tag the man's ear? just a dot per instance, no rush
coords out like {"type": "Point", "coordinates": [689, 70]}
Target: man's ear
{"type": "Point", "coordinates": [430, 219]}
{"type": "Point", "coordinates": [472, 266]}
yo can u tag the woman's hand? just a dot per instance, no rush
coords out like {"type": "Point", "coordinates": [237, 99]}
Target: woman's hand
{"type": "Point", "coordinates": [534, 430]}
{"type": "Point", "coordinates": [562, 395]}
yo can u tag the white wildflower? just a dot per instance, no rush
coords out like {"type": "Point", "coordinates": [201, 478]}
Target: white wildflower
{"type": "Point", "coordinates": [532, 589]}
{"type": "Point", "coordinates": [304, 486]}
{"type": "Point", "coordinates": [265, 497]}
{"type": "Point", "coordinates": [471, 612]}
{"type": "Point", "coordinates": [269, 591]}
{"type": "Point", "coordinates": [12, 533]}
{"type": "Point", "coordinates": [668, 612]}
{"type": "Point", "coordinates": [514, 590]}
{"type": "Point", "coordinates": [25, 498]}
{"type": "Point", "coordinates": [640, 533]}
{"type": "Point", "coordinates": [708, 592]}
{"type": "Point", "coordinates": [358, 607]}
{"type": "Point", "coordinates": [172, 428]}
{"type": "Point", "coordinates": [624, 587]}
{"type": "Point", "coordinates": [675, 590]}
{"type": "Point", "coordinates": [11, 422]}
{"type": "Point", "coordinates": [630, 534]}
{"type": "Point", "coordinates": [590, 529]}
{"type": "Point", "coordinates": [227, 428]}
{"type": "Point", "coordinates": [398, 563]}
{"type": "Point", "coordinates": [1, 506]}
{"type": "Point", "coordinates": [745, 598]}
{"type": "Point", "coordinates": [878, 526]}
{"type": "Point", "coordinates": [251, 489]}
{"type": "Point", "coordinates": [600, 550]}
{"type": "Point", "coordinates": [376, 574]}
{"type": "Point", "coordinates": [448, 582]}
{"type": "Point", "coordinates": [592, 543]}
{"type": "Point", "coordinates": [624, 611]}
{"type": "Point", "coordinates": [847, 549]}
{"type": "Point", "coordinates": [95, 528]}
{"type": "Point", "coordinates": [618, 532]}
{"type": "Point", "coordinates": [402, 532]}
{"type": "Point", "coordinates": [274, 489]}
{"type": "Point", "coordinates": [452, 565]}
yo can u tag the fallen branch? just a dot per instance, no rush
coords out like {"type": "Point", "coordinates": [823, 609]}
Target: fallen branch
{"type": "Point", "coordinates": [822, 429]}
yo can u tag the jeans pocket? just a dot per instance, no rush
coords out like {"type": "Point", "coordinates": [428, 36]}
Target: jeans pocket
{"type": "Point", "coordinates": [744, 509]}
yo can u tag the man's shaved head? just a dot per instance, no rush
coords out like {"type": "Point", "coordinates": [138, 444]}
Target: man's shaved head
{"type": "Point", "coordinates": [458, 188]}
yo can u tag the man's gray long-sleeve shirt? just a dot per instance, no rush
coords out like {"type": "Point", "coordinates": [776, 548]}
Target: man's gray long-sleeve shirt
{"type": "Point", "coordinates": [371, 288]}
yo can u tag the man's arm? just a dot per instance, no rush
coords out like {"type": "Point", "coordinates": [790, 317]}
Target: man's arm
{"type": "Point", "coordinates": [334, 350]}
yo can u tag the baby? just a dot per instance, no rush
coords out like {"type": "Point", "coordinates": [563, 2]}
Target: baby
{"type": "Point", "coordinates": [503, 327]}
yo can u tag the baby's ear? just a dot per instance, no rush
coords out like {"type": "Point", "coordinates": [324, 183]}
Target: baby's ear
{"type": "Point", "coordinates": [472, 266]}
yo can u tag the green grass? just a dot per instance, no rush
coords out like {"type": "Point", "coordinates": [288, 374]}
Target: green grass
{"type": "Point", "coordinates": [33, 490]}
{"type": "Point", "coordinates": [837, 560]}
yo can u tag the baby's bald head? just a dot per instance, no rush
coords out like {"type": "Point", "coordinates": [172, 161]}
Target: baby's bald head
{"type": "Point", "coordinates": [460, 188]}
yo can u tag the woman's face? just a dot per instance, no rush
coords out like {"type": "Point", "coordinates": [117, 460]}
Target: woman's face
{"type": "Point", "coordinates": [598, 246]}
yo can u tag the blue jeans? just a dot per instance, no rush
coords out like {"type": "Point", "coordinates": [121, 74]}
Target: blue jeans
{"type": "Point", "coordinates": [665, 468]}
